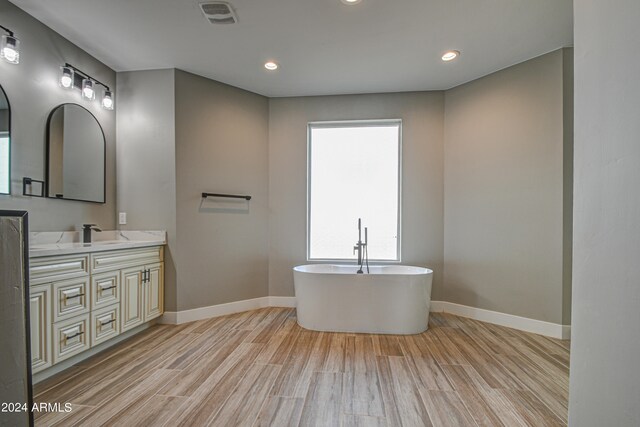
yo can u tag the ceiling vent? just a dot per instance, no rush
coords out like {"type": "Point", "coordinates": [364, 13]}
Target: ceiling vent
{"type": "Point", "coordinates": [219, 12]}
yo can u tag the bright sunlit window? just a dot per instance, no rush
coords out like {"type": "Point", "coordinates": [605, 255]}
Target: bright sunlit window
{"type": "Point", "coordinates": [4, 163]}
{"type": "Point", "coordinates": [354, 172]}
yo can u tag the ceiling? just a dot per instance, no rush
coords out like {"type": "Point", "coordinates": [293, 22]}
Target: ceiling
{"type": "Point", "coordinates": [323, 46]}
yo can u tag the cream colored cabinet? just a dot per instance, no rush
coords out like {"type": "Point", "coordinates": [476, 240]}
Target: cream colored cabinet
{"type": "Point", "coordinates": [71, 337]}
{"type": "Point", "coordinates": [105, 289]}
{"type": "Point", "coordinates": [40, 312]}
{"type": "Point", "coordinates": [83, 300]}
{"type": "Point", "coordinates": [132, 308]}
{"type": "Point", "coordinates": [142, 295]}
{"type": "Point", "coordinates": [154, 292]}
{"type": "Point", "coordinates": [70, 298]}
{"type": "Point", "coordinates": [105, 324]}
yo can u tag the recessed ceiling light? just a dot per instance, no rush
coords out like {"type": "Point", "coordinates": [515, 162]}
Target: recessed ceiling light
{"type": "Point", "coordinates": [270, 65]}
{"type": "Point", "coordinates": [350, 2]}
{"type": "Point", "coordinates": [450, 55]}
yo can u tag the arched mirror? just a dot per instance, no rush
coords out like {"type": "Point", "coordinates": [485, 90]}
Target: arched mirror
{"type": "Point", "coordinates": [75, 155]}
{"type": "Point", "coordinates": [5, 143]}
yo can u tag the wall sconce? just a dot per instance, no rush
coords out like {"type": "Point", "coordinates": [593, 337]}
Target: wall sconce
{"type": "Point", "coordinates": [10, 47]}
{"type": "Point", "coordinates": [67, 78]}
{"type": "Point", "coordinates": [88, 92]}
{"type": "Point", "coordinates": [107, 100]}
{"type": "Point", "coordinates": [72, 77]}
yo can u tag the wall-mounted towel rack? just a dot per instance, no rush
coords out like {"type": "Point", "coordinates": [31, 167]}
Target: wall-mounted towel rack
{"type": "Point", "coordinates": [229, 196]}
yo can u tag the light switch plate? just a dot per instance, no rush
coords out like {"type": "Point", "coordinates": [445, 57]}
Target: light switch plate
{"type": "Point", "coordinates": [122, 218]}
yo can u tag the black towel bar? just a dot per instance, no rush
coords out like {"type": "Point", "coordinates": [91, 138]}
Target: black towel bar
{"type": "Point", "coordinates": [230, 196]}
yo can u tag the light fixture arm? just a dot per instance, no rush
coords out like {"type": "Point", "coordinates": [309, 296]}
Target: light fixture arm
{"type": "Point", "coordinates": [86, 75]}
{"type": "Point", "coordinates": [7, 30]}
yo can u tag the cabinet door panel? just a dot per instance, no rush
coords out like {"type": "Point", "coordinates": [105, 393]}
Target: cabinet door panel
{"type": "Point", "coordinates": [154, 292]}
{"type": "Point", "coordinates": [40, 313]}
{"type": "Point", "coordinates": [132, 298]}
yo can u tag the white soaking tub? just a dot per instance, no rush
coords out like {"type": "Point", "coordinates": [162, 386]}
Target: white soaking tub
{"type": "Point", "coordinates": [391, 299]}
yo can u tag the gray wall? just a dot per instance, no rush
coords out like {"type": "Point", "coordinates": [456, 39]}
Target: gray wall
{"type": "Point", "coordinates": [146, 160]}
{"type": "Point", "coordinates": [221, 147]}
{"type": "Point", "coordinates": [422, 175]}
{"type": "Point", "coordinates": [33, 91]}
{"type": "Point", "coordinates": [605, 346]}
{"type": "Point", "coordinates": [503, 162]}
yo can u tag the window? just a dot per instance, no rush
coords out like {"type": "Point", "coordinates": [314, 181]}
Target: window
{"type": "Point", "coordinates": [354, 172]}
{"type": "Point", "coordinates": [4, 163]}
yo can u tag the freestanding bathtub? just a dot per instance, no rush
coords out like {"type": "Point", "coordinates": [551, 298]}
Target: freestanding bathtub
{"type": "Point", "coordinates": [390, 300]}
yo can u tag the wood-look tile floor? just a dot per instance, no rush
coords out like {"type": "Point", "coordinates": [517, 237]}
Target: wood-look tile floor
{"type": "Point", "coordinates": [259, 368]}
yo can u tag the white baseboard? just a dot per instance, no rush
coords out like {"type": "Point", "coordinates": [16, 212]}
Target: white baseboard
{"type": "Point", "coordinates": [185, 316]}
{"type": "Point", "coordinates": [553, 330]}
{"type": "Point", "coordinates": [282, 302]}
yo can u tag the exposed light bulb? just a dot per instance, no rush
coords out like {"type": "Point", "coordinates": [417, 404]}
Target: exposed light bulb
{"type": "Point", "coordinates": [10, 50]}
{"type": "Point", "coordinates": [88, 91]}
{"type": "Point", "coordinates": [450, 55]}
{"type": "Point", "coordinates": [270, 65]}
{"type": "Point", "coordinates": [107, 100]}
{"type": "Point", "coordinates": [66, 77]}
{"type": "Point", "coordinates": [65, 81]}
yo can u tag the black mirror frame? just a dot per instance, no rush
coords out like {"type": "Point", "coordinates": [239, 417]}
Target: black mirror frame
{"type": "Point", "coordinates": [104, 157]}
{"type": "Point", "coordinates": [2, 91]}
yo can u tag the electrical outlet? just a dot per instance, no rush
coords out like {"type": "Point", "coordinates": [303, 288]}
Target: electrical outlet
{"type": "Point", "coordinates": [122, 218]}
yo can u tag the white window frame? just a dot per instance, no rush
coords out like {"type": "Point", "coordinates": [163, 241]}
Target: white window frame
{"type": "Point", "coordinates": [355, 123]}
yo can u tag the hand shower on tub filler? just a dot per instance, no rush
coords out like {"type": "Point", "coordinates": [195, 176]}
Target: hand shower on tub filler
{"type": "Point", "coordinates": [362, 248]}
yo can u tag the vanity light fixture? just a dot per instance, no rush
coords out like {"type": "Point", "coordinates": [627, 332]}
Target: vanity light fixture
{"type": "Point", "coordinates": [10, 47]}
{"type": "Point", "coordinates": [350, 2]}
{"type": "Point", "coordinates": [271, 65]}
{"type": "Point", "coordinates": [67, 77]}
{"type": "Point", "coordinates": [107, 100]}
{"type": "Point", "coordinates": [72, 77]}
{"type": "Point", "coordinates": [88, 90]}
{"type": "Point", "coordinates": [450, 55]}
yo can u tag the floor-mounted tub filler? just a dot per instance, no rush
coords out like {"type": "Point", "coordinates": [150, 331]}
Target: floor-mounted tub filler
{"type": "Point", "coordinates": [388, 300]}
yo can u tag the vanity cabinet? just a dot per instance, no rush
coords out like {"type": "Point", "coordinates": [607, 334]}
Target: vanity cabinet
{"type": "Point", "coordinates": [70, 298]}
{"type": "Point", "coordinates": [154, 292]}
{"type": "Point", "coordinates": [40, 312]}
{"type": "Point", "coordinates": [70, 337]}
{"type": "Point", "coordinates": [143, 294]}
{"type": "Point", "coordinates": [83, 300]}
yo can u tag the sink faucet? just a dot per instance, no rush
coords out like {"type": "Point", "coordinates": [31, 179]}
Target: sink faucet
{"type": "Point", "coordinates": [361, 247]}
{"type": "Point", "coordinates": [86, 232]}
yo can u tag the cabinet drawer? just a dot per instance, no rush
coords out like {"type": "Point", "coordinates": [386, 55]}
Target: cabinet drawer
{"type": "Point", "coordinates": [105, 289]}
{"type": "Point", "coordinates": [70, 298]}
{"type": "Point", "coordinates": [70, 337]}
{"type": "Point", "coordinates": [49, 269]}
{"type": "Point", "coordinates": [105, 324]}
{"type": "Point", "coordinates": [115, 260]}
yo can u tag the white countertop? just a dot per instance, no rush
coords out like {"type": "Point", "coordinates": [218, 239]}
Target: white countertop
{"type": "Point", "coordinates": [49, 243]}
